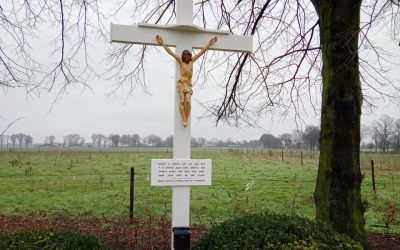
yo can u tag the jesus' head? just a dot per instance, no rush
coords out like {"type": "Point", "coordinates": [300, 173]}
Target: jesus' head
{"type": "Point", "coordinates": [186, 56]}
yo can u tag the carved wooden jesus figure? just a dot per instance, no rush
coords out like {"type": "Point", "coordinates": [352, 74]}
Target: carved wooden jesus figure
{"type": "Point", "coordinates": [184, 84]}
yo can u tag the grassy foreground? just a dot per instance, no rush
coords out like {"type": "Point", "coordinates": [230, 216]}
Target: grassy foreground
{"type": "Point", "coordinates": [83, 182]}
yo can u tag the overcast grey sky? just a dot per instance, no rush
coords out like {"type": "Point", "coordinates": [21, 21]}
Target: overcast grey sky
{"type": "Point", "coordinates": [86, 111]}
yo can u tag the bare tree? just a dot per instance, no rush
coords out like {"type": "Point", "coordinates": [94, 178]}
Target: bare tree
{"type": "Point", "coordinates": [374, 134]}
{"type": "Point", "coordinates": [311, 137]}
{"type": "Point", "coordinates": [363, 132]}
{"type": "Point", "coordinates": [193, 142]}
{"type": "Point", "coordinates": [7, 139]}
{"type": "Point", "coordinates": [270, 141]}
{"type": "Point", "coordinates": [105, 140]}
{"type": "Point", "coordinates": [74, 140]}
{"type": "Point", "coordinates": [202, 141]}
{"type": "Point", "coordinates": [115, 140]}
{"type": "Point", "coordinates": [169, 141]}
{"type": "Point", "coordinates": [2, 139]}
{"type": "Point", "coordinates": [82, 141]}
{"type": "Point", "coordinates": [66, 141]}
{"type": "Point", "coordinates": [396, 136]}
{"type": "Point", "coordinates": [145, 140]}
{"type": "Point", "coordinates": [28, 140]}
{"type": "Point", "coordinates": [125, 140]}
{"type": "Point", "coordinates": [370, 146]}
{"type": "Point", "coordinates": [383, 132]}
{"type": "Point", "coordinates": [13, 139]}
{"type": "Point", "coordinates": [20, 138]}
{"type": "Point", "coordinates": [297, 138]}
{"type": "Point", "coordinates": [97, 140]}
{"type": "Point", "coordinates": [152, 140]}
{"type": "Point", "coordinates": [52, 139]}
{"type": "Point", "coordinates": [135, 138]}
{"type": "Point", "coordinates": [94, 138]}
{"type": "Point", "coordinates": [287, 140]}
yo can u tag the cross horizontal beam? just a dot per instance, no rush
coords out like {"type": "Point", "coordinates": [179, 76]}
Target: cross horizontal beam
{"type": "Point", "coordinates": [174, 34]}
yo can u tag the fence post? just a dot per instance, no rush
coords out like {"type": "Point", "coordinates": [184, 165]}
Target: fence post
{"type": "Point", "coordinates": [282, 155]}
{"type": "Point", "coordinates": [373, 175]}
{"type": "Point", "coordinates": [131, 195]}
{"type": "Point", "coordinates": [301, 156]}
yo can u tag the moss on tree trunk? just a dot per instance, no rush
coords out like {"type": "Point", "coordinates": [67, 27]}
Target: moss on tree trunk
{"type": "Point", "coordinates": [338, 189]}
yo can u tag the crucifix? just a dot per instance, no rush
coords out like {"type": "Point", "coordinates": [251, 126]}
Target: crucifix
{"type": "Point", "coordinates": [183, 35]}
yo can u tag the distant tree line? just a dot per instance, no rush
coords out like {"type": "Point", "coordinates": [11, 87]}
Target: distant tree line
{"type": "Point", "coordinates": [307, 139]}
{"type": "Point", "coordinates": [19, 140]}
{"type": "Point", "coordinates": [383, 135]}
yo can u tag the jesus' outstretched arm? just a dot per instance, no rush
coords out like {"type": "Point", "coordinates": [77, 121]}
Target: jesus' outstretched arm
{"type": "Point", "coordinates": [203, 50]}
{"type": "Point", "coordinates": [161, 42]}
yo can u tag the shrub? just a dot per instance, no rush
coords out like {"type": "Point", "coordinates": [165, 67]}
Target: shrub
{"type": "Point", "coordinates": [50, 240]}
{"type": "Point", "coordinates": [272, 231]}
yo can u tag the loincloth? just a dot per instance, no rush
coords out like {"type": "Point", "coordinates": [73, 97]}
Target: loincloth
{"type": "Point", "coordinates": [184, 87]}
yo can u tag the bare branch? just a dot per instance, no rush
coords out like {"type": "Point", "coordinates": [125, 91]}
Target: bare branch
{"type": "Point", "coordinates": [9, 125]}
{"type": "Point", "coordinates": [283, 73]}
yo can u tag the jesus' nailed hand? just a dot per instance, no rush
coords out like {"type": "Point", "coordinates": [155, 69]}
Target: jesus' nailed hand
{"type": "Point", "coordinates": [184, 84]}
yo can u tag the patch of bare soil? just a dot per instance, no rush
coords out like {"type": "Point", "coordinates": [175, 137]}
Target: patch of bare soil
{"type": "Point", "coordinates": [152, 233]}
{"type": "Point", "coordinates": [384, 241]}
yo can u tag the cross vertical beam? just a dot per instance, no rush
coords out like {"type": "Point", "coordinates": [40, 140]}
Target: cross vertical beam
{"type": "Point", "coordinates": [182, 136]}
{"type": "Point", "coordinates": [181, 150]}
{"type": "Point", "coordinates": [184, 11]}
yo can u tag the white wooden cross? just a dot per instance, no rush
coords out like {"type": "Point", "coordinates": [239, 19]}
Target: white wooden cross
{"type": "Point", "coordinates": [183, 35]}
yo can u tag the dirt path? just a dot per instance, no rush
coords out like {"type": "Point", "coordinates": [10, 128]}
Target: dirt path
{"type": "Point", "coordinates": [147, 234]}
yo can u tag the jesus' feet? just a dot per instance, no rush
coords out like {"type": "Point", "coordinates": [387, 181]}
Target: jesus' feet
{"type": "Point", "coordinates": [185, 123]}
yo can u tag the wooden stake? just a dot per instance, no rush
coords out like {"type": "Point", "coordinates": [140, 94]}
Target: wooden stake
{"type": "Point", "coordinates": [373, 175]}
{"type": "Point", "coordinates": [301, 156]}
{"type": "Point", "coordinates": [131, 195]}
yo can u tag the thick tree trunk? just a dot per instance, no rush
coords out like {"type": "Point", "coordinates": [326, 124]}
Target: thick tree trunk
{"type": "Point", "coordinates": [338, 192]}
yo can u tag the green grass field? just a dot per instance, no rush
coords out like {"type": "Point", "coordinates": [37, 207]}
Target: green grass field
{"type": "Point", "coordinates": [95, 183]}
